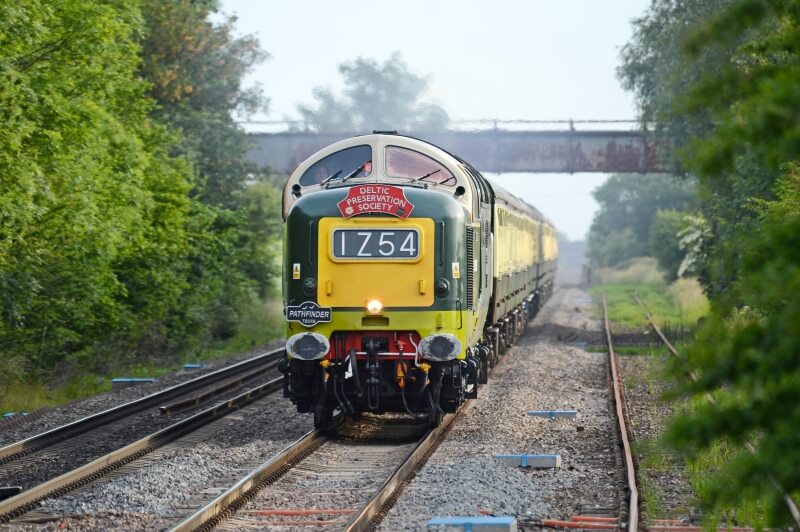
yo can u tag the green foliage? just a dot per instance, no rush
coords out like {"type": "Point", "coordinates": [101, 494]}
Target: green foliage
{"type": "Point", "coordinates": [195, 69]}
{"type": "Point", "coordinates": [376, 97]}
{"type": "Point", "coordinates": [665, 242]}
{"type": "Point", "coordinates": [108, 258]}
{"type": "Point", "coordinates": [628, 204]}
{"type": "Point", "coordinates": [93, 239]}
{"type": "Point", "coordinates": [744, 144]}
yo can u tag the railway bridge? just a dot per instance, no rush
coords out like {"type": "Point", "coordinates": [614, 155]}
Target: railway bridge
{"type": "Point", "coordinates": [494, 150]}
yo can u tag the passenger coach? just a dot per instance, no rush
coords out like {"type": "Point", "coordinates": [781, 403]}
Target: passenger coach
{"type": "Point", "coordinates": [406, 275]}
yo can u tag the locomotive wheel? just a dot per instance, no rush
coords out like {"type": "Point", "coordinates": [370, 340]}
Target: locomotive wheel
{"type": "Point", "coordinates": [323, 415]}
{"type": "Point", "coordinates": [483, 373]}
{"type": "Point", "coordinates": [435, 417]}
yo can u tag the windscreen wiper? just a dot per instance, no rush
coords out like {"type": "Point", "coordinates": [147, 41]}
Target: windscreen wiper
{"type": "Point", "coordinates": [356, 171]}
{"type": "Point", "coordinates": [332, 176]}
{"type": "Point", "coordinates": [426, 175]}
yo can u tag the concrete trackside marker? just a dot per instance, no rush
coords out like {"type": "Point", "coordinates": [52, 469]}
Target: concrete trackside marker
{"type": "Point", "coordinates": [553, 414]}
{"type": "Point", "coordinates": [482, 523]}
{"type": "Point", "coordinates": [536, 461]}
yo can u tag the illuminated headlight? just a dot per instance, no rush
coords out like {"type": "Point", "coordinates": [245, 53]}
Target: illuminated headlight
{"type": "Point", "coordinates": [308, 346]}
{"type": "Point", "coordinates": [440, 347]}
{"type": "Point", "coordinates": [374, 306]}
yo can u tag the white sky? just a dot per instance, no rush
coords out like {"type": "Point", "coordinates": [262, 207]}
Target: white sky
{"type": "Point", "coordinates": [505, 59]}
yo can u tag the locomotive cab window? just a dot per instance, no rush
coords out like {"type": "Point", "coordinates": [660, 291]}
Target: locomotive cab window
{"type": "Point", "coordinates": [410, 164]}
{"type": "Point", "coordinates": [349, 163]}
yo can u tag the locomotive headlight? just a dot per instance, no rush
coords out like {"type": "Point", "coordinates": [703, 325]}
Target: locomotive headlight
{"type": "Point", "coordinates": [374, 306]}
{"type": "Point", "coordinates": [440, 347]}
{"type": "Point", "coordinates": [308, 346]}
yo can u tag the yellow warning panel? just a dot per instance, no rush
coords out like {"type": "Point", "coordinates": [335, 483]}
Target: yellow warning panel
{"type": "Point", "coordinates": [386, 259]}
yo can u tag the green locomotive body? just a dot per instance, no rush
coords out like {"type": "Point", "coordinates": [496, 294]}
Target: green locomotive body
{"type": "Point", "coordinates": [406, 275]}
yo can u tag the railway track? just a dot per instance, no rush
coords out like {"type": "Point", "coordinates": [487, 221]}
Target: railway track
{"type": "Point", "coordinates": [346, 479]}
{"type": "Point", "coordinates": [57, 453]}
{"type": "Point", "coordinates": [19, 505]}
{"type": "Point", "coordinates": [630, 514]}
{"type": "Point", "coordinates": [244, 370]}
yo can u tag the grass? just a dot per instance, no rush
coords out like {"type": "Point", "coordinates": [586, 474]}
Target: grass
{"type": "Point", "coordinates": [678, 305]}
{"type": "Point", "coordinates": [260, 323]}
{"type": "Point", "coordinates": [701, 470]}
{"type": "Point", "coordinates": [628, 350]}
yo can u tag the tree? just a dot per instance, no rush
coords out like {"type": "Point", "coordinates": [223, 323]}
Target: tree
{"type": "Point", "coordinates": [195, 69]}
{"type": "Point", "coordinates": [665, 242]}
{"type": "Point", "coordinates": [628, 204]}
{"type": "Point", "coordinates": [746, 157]}
{"type": "Point", "coordinates": [93, 225]}
{"type": "Point", "coordinates": [376, 97]}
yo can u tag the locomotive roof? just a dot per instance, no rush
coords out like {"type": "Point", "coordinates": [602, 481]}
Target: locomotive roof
{"type": "Point", "coordinates": [452, 162]}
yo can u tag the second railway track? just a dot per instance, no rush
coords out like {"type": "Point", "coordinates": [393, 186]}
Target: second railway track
{"type": "Point", "coordinates": [47, 455]}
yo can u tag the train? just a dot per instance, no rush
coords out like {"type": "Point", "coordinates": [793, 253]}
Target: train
{"type": "Point", "coordinates": [406, 276]}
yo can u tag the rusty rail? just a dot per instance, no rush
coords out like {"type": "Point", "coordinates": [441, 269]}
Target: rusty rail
{"type": "Point", "coordinates": [633, 491]}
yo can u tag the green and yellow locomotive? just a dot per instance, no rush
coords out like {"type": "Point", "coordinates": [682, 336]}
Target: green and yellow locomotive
{"type": "Point", "coordinates": [406, 275]}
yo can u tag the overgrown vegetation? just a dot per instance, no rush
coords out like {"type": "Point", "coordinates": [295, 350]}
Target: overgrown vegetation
{"type": "Point", "coordinates": [131, 228]}
{"type": "Point", "coordinates": [720, 80]}
{"type": "Point", "coordinates": [676, 305]}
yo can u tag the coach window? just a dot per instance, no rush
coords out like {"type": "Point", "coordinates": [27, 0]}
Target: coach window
{"type": "Point", "coordinates": [349, 163]}
{"type": "Point", "coordinates": [410, 164]}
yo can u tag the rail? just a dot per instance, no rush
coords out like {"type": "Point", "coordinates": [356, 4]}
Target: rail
{"type": "Point", "coordinates": [633, 491]}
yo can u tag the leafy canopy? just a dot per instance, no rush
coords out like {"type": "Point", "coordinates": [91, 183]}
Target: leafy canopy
{"type": "Point", "coordinates": [377, 96]}
{"type": "Point", "coordinates": [722, 78]}
{"type": "Point", "coordinates": [628, 206]}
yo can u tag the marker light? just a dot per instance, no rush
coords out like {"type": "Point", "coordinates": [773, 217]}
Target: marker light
{"type": "Point", "coordinates": [374, 306]}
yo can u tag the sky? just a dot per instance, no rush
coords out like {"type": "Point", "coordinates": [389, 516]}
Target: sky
{"type": "Point", "coordinates": [504, 59]}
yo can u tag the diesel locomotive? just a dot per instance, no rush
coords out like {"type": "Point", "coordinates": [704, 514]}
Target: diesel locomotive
{"type": "Point", "coordinates": [406, 275]}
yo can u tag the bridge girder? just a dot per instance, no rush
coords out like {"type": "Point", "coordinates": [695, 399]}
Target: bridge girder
{"type": "Point", "coordinates": [496, 150]}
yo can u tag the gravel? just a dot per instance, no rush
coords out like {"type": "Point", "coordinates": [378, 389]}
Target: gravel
{"type": "Point", "coordinates": [545, 370]}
